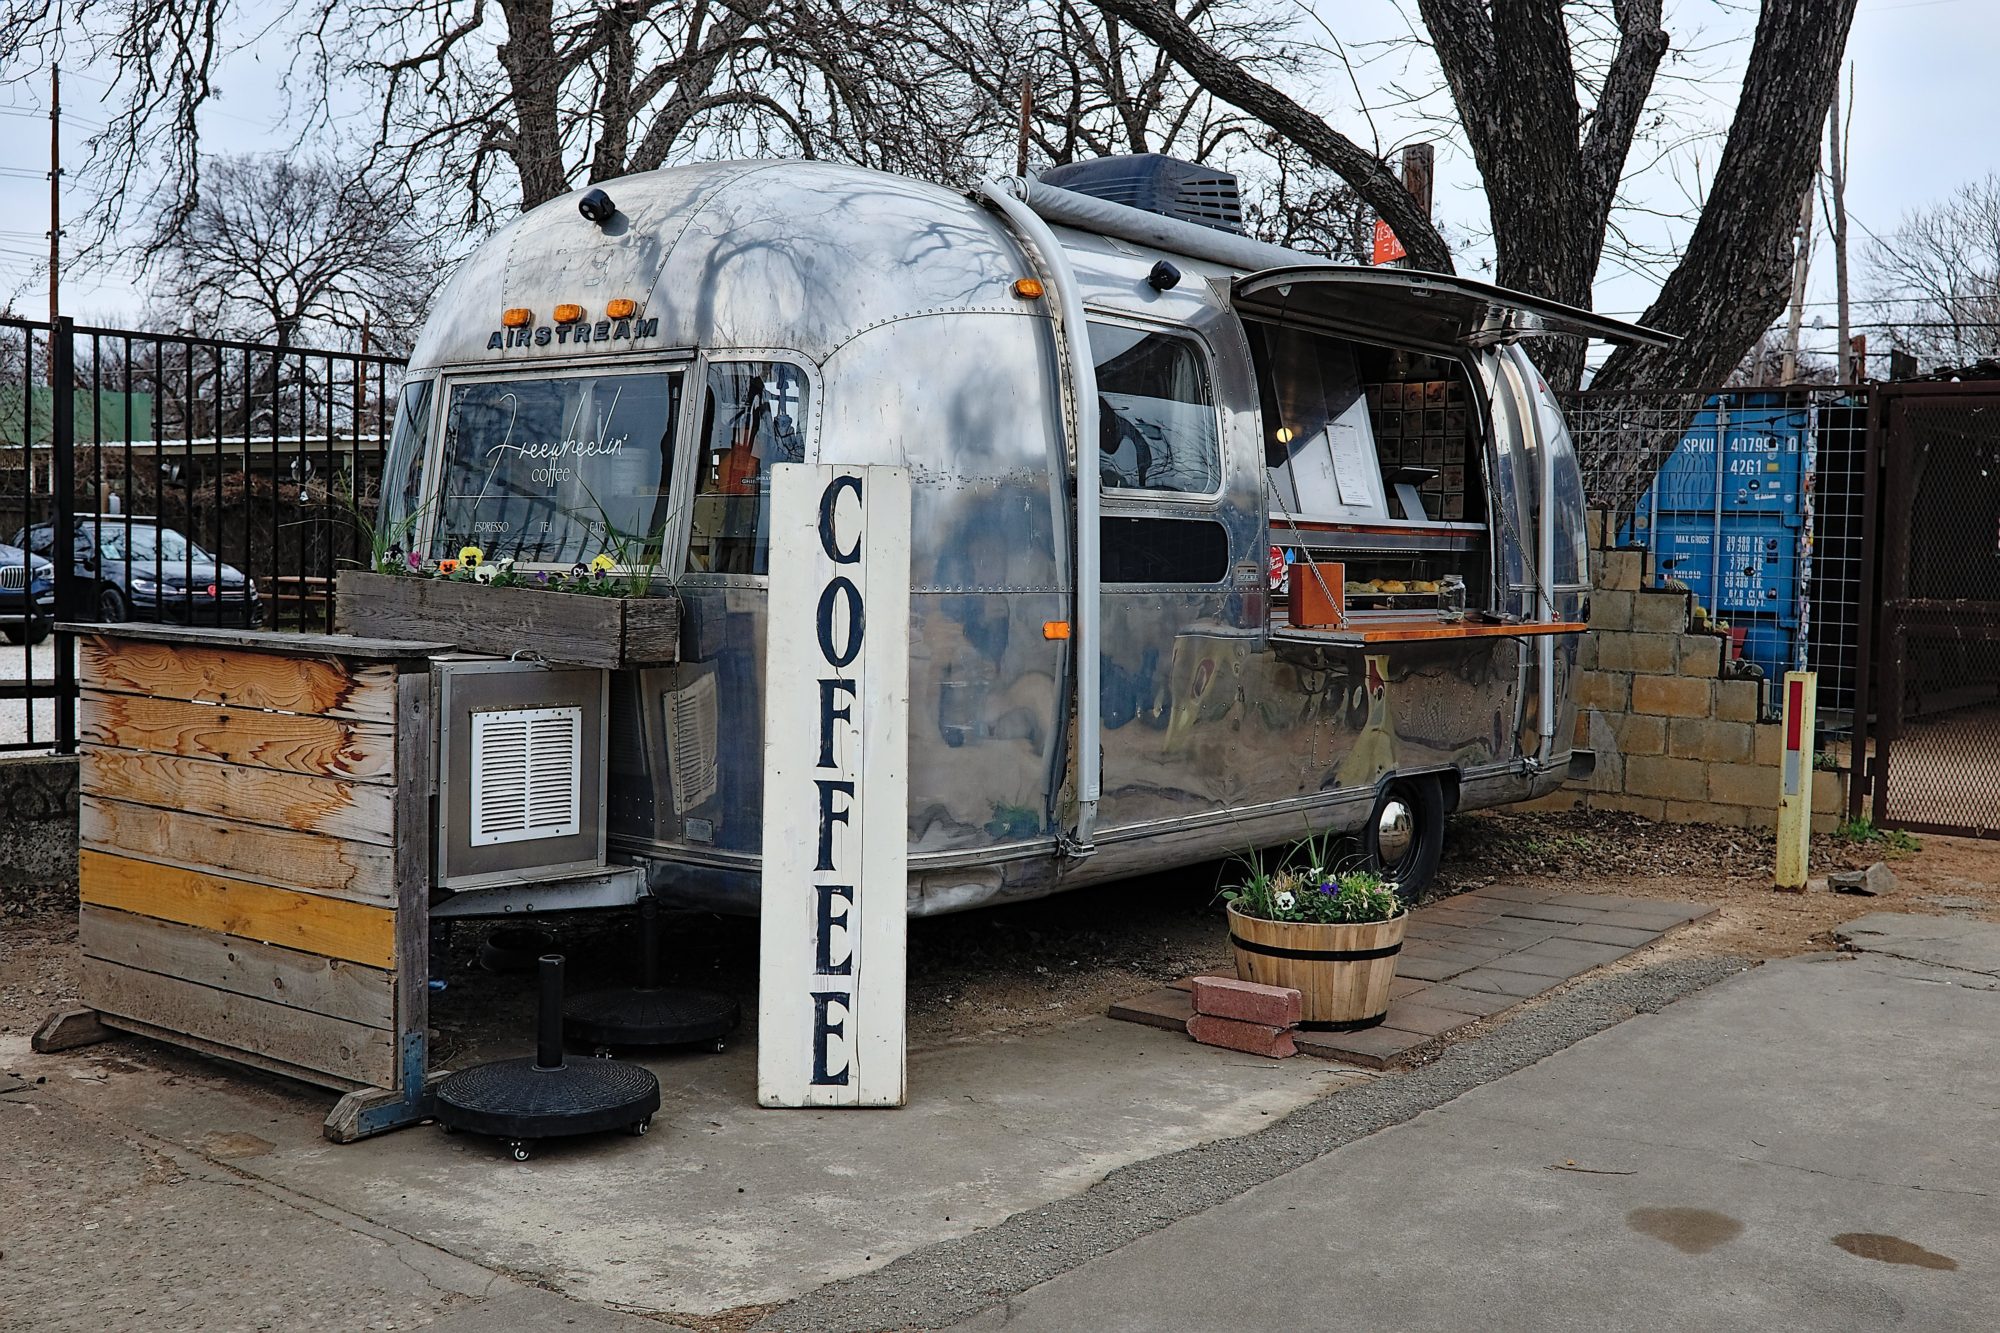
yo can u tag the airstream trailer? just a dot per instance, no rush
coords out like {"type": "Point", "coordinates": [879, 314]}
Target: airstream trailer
{"type": "Point", "coordinates": [1215, 543]}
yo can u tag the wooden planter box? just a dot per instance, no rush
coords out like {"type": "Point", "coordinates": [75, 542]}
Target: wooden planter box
{"type": "Point", "coordinates": [562, 627]}
{"type": "Point", "coordinates": [1341, 972]}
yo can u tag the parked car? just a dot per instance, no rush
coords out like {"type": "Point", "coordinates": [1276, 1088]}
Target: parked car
{"type": "Point", "coordinates": [27, 595]}
{"type": "Point", "coordinates": [135, 569]}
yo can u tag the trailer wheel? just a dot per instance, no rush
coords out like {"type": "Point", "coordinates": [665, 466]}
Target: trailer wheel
{"type": "Point", "coordinates": [1404, 836]}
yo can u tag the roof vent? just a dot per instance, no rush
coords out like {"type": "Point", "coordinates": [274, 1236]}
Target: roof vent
{"type": "Point", "coordinates": [1157, 183]}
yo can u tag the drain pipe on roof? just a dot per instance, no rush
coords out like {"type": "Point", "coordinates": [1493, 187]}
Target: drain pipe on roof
{"type": "Point", "coordinates": [1073, 345]}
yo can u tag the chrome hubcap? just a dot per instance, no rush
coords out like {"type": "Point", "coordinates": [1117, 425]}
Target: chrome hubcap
{"type": "Point", "coordinates": [1395, 832]}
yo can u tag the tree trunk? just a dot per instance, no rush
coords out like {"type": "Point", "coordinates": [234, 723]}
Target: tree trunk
{"type": "Point", "coordinates": [534, 80]}
{"type": "Point", "coordinates": [1735, 270]}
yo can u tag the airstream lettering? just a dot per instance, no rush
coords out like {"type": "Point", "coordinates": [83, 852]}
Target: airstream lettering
{"type": "Point", "coordinates": [1198, 564]}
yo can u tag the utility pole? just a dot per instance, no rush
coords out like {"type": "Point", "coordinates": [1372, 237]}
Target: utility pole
{"type": "Point", "coordinates": [1027, 114]}
{"type": "Point", "coordinates": [1837, 164]}
{"type": "Point", "coordinates": [55, 191]}
{"type": "Point", "coordinates": [1788, 371]}
{"type": "Point", "coordinates": [1419, 170]}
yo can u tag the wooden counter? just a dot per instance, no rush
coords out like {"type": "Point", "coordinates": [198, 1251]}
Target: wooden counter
{"type": "Point", "coordinates": [255, 855]}
{"type": "Point", "coordinates": [1366, 633]}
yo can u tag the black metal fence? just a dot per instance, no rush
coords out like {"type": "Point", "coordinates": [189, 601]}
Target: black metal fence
{"type": "Point", "coordinates": [166, 476]}
{"type": "Point", "coordinates": [1931, 649]}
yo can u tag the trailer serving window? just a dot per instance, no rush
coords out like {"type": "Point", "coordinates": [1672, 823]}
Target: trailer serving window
{"type": "Point", "coordinates": [560, 469]}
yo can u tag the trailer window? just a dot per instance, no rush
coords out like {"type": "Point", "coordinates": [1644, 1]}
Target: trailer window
{"type": "Point", "coordinates": [559, 470]}
{"type": "Point", "coordinates": [403, 468]}
{"type": "Point", "coordinates": [1156, 428]}
{"type": "Point", "coordinates": [753, 417]}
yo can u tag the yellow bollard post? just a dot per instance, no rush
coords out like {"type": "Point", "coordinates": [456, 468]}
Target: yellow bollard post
{"type": "Point", "coordinates": [1795, 782]}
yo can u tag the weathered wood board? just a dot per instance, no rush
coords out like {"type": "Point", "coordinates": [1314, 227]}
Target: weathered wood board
{"type": "Point", "coordinates": [283, 858]}
{"type": "Point", "coordinates": [287, 742]}
{"type": "Point", "coordinates": [311, 982]}
{"type": "Point", "coordinates": [350, 1051]}
{"type": "Point", "coordinates": [334, 927]}
{"type": "Point", "coordinates": [562, 627]}
{"type": "Point", "coordinates": [364, 812]}
{"type": "Point", "coordinates": [255, 863]}
{"type": "Point", "coordinates": [239, 677]}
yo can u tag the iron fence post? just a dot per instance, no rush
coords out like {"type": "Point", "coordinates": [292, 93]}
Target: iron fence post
{"type": "Point", "coordinates": [62, 456]}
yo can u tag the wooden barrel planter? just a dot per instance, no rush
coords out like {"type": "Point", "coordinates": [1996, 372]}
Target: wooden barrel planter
{"type": "Point", "coordinates": [1341, 972]}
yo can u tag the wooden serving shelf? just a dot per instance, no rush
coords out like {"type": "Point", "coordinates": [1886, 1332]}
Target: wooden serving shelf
{"type": "Point", "coordinates": [1373, 631]}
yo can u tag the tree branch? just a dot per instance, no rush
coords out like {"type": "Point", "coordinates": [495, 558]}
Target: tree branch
{"type": "Point", "coordinates": [1227, 79]}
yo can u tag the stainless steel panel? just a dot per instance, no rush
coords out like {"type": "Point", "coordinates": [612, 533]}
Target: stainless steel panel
{"type": "Point", "coordinates": [466, 687]}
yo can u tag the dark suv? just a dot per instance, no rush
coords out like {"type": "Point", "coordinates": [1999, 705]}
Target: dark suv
{"type": "Point", "coordinates": [134, 569]}
{"type": "Point", "coordinates": [27, 595]}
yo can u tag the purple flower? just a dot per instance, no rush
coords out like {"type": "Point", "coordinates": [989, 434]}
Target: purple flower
{"type": "Point", "coordinates": [1327, 886]}
{"type": "Point", "coordinates": [541, 576]}
{"type": "Point", "coordinates": [416, 560]}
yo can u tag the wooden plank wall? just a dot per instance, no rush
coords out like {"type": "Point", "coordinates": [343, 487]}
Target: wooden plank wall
{"type": "Point", "coordinates": [255, 852]}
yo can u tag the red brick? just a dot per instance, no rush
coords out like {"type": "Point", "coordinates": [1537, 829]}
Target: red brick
{"type": "Point", "coordinates": [1246, 1001]}
{"type": "Point", "coordinates": [1254, 1038]}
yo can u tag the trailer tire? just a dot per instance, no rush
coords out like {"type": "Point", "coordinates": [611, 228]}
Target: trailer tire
{"type": "Point", "coordinates": [1404, 837]}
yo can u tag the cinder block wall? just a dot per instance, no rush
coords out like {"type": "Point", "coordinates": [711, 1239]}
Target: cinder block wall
{"type": "Point", "coordinates": [1674, 740]}
{"type": "Point", "coordinates": [38, 808]}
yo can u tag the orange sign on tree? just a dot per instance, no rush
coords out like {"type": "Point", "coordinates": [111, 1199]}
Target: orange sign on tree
{"type": "Point", "coordinates": [1387, 248]}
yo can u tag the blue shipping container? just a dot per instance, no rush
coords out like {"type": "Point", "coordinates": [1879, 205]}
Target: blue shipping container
{"type": "Point", "coordinates": [1749, 565]}
{"type": "Point", "coordinates": [1759, 566]}
{"type": "Point", "coordinates": [1764, 463]}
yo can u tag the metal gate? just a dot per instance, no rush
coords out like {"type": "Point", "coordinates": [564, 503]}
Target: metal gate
{"type": "Point", "coordinates": [1930, 652]}
{"type": "Point", "coordinates": [171, 477]}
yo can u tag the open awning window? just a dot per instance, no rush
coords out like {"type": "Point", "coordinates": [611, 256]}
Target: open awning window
{"type": "Point", "coordinates": [1433, 311]}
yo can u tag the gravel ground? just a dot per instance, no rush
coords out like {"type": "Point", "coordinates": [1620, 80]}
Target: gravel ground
{"type": "Point", "coordinates": [954, 1280]}
{"type": "Point", "coordinates": [15, 662]}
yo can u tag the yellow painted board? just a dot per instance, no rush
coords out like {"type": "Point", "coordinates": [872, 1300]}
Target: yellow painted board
{"type": "Point", "coordinates": [333, 927]}
{"type": "Point", "coordinates": [239, 677]}
{"type": "Point", "coordinates": [288, 742]}
{"type": "Point", "coordinates": [283, 858]}
{"type": "Point", "coordinates": [365, 812]}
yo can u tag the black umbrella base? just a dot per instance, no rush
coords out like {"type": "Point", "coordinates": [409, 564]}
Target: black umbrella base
{"type": "Point", "coordinates": [520, 1102]}
{"type": "Point", "coordinates": [650, 1016]}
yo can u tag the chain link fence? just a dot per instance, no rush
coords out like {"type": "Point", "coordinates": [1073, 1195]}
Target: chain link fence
{"type": "Point", "coordinates": [1751, 499]}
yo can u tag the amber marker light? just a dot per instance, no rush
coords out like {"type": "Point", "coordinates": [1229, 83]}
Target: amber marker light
{"type": "Point", "coordinates": [1028, 289]}
{"type": "Point", "coordinates": [518, 317]}
{"type": "Point", "coordinates": [1055, 629]}
{"type": "Point", "coordinates": [568, 314]}
{"type": "Point", "coordinates": [622, 308]}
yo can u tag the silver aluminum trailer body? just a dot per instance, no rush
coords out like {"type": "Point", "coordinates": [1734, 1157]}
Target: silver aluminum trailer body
{"type": "Point", "coordinates": [875, 319]}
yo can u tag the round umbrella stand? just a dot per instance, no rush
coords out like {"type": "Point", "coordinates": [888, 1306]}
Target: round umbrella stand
{"type": "Point", "coordinates": [544, 1097]}
{"type": "Point", "coordinates": [650, 1014]}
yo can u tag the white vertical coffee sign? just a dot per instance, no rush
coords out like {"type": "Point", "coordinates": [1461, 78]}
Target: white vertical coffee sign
{"type": "Point", "coordinates": [830, 1008]}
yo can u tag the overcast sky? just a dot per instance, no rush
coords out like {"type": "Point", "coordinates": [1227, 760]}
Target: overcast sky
{"type": "Point", "coordinates": [1924, 71]}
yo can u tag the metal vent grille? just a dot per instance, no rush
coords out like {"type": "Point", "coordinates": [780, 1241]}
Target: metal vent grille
{"type": "Point", "coordinates": [692, 742]}
{"type": "Point", "coordinates": [527, 774]}
{"type": "Point", "coordinates": [13, 576]}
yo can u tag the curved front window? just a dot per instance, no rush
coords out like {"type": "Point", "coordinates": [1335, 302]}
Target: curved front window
{"type": "Point", "coordinates": [557, 470]}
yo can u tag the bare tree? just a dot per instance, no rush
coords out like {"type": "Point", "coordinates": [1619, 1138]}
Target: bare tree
{"type": "Point", "coordinates": [1551, 134]}
{"type": "Point", "coordinates": [484, 107]}
{"type": "Point", "coordinates": [1938, 278]}
{"type": "Point", "coordinates": [282, 250]}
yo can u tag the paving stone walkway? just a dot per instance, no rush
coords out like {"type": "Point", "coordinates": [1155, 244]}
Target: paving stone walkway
{"type": "Point", "coordinates": [1468, 957]}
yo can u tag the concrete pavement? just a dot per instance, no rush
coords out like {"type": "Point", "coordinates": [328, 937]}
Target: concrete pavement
{"type": "Point", "coordinates": [1810, 1144]}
